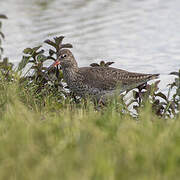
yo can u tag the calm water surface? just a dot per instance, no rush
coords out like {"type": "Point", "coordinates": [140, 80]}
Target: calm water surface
{"type": "Point", "coordinates": [138, 35]}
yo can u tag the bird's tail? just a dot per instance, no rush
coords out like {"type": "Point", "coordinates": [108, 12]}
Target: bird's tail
{"type": "Point", "coordinates": [153, 76]}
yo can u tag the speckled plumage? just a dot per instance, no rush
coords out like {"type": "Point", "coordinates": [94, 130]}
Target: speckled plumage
{"type": "Point", "coordinates": [98, 81]}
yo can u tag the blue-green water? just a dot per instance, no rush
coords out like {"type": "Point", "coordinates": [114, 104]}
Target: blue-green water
{"type": "Point", "coordinates": [138, 35]}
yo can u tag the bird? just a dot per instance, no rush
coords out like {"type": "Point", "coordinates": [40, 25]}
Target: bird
{"type": "Point", "coordinates": [97, 81]}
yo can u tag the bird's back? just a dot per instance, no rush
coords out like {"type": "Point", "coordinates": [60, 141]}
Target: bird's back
{"type": "Point", "coordinates": [108, 78]}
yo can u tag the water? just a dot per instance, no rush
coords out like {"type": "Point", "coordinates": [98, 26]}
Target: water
{"type": "Point", "coordinates": [138, 35]}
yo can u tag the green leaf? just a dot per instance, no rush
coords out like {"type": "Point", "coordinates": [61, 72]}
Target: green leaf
{"type": "Point", "coordinates": [41, 58]}
{"type": "Point", "coordinates": [65, 46]}
{"type": "Point", "coordinates": [1, 50]}
{"type": "Point", "coordinates": [94, 64]}
{"type": "Point", "coordinates": [23, 63]}
{"type": "Point", "coordinates": [102, 63]}
{"type": "Point", "coordinates": [160, 94]}
{"type": "Point", "coordinates": [58, 40]}
{"type": "Point", "coordinates": [28, 51]}
{"type": "Point", "coordinates": [51, 43]}
{"type": "Point", "coordinates": [36, 48]}
{"type": "Point", "coordinates": [60, 74]}
{"type": "Point", "coordinates": [2, 35]}
{"type": "Point", "coordinates": [5, 61]}
{"type": "Point", "coordinates": [108, 64]}
{"type": "Point", "coordinates": [135, 94]}
{"type": "Point", "coordinates": [2, 16]}
{"type": "Point", "coordinates": [36, 53]}
{"type": "Point", "coordinates": [175, 73]}
{"type": "Point", "coordinates": [31, 61]}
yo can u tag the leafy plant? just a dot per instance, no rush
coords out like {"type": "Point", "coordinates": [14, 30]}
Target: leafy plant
{"type": "Point", "coordinates": [176, 85]}
{"type": "Point", "coordinates": [43, 81]}
{"type": "Point", "coordinates": [162, 104]}
{"type": "Point", "coordinates": [102, 64]}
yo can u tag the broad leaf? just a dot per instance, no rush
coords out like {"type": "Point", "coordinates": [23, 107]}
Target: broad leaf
{"type": "Point", "coordinates": [58, 40]}
{"type": "Point", "coordinates": [65, 46]}
{"type": "Point", "coordinates": [50, 43]}
{"type": "Point", "coordinates": [109, 63]}
{"type": "Point", "coordinates": [160, 94]}
{"type": "Point", "coordinates": [36, 48]}
{"type": "Point", "coordinates": [175, 73]}
{"type": "Point", "coordinates": [28, 51]}
{"type": "Point", "coordinates": [2, 16]}
{"type": "Point", "coordinates": [94, 64]}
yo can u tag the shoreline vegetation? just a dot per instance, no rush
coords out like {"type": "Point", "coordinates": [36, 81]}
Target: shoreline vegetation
{"type": "Point", "coordinates": [47, 132]}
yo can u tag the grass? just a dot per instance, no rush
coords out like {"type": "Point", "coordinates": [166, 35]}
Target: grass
{"type": "Point", "coordinates": [74, 142]}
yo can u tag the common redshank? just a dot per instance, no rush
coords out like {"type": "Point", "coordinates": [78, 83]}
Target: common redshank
{"type": "Point", "coordinates": [98, 81]}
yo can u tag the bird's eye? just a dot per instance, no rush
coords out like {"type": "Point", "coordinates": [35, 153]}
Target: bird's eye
{"type": "Point", "coordinates": [63, 56]}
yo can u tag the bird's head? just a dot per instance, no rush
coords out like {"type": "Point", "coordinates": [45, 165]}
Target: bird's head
{"type": "Point", "coordinates": [65, 59]}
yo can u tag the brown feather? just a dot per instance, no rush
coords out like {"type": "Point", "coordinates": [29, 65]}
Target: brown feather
{"type": "Point", "coordinates": [98, 80]}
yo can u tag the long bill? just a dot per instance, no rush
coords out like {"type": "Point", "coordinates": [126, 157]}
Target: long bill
{"type": "Point", "coordinates": [55, 64]}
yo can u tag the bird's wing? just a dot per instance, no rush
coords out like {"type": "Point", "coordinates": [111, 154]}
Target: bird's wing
{"type": "Point", "coordinates": [108, 78]}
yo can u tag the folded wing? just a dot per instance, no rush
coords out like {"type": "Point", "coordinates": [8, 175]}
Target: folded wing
{"type": "Point", "coordinates": [108, 78]}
